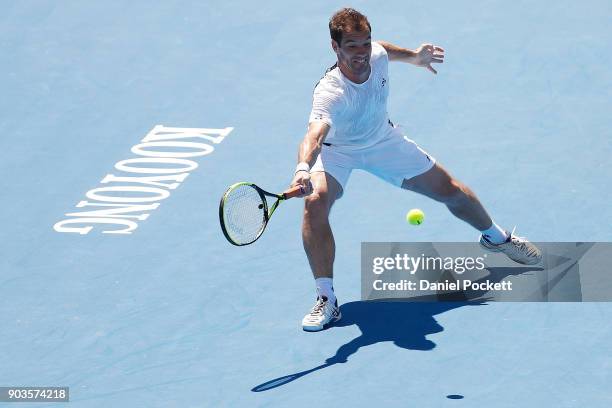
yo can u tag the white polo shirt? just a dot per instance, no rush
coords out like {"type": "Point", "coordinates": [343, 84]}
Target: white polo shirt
{"type": "Point", "coordinates": [356, 113]}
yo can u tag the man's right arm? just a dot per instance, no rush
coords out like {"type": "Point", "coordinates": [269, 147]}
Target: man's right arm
{"type": "Point", "coordinates": [308, 152]}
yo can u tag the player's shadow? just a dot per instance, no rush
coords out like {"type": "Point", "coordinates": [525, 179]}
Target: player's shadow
{"type": "Point", "coordinates": [406, 324]}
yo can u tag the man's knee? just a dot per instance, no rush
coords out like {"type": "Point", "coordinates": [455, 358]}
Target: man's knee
{"type": "Point", "coordinates": [316, 206]}
{"type": "Point", "coordinates": [452, 192]}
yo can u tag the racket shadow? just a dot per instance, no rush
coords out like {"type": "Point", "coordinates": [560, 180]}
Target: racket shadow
{"type": "Point", "coordinates": [406, 324]}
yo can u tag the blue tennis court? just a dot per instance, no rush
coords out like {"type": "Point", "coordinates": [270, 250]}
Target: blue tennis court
{"type": "Point", "coordinates": [164, 312]}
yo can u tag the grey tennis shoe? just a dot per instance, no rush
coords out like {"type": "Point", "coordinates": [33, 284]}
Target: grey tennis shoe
{"type": "Point", "coordinates": [517, 248]}
{"type": "Point", "coordinates": [322, 315]}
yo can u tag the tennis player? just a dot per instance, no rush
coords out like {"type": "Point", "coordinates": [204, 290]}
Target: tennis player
{"type": "Point", "coordinates": [349, 129]}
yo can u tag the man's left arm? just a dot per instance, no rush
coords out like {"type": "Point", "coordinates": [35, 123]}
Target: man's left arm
{"type": "Point", "coordinates": [423, 56]}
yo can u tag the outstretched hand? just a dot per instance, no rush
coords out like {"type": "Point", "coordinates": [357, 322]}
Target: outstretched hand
{"type": "Point", "coordinates": [427, 54]}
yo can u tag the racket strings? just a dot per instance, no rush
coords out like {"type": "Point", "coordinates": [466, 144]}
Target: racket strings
{"type": "Point", "coordinates": [243, 214]}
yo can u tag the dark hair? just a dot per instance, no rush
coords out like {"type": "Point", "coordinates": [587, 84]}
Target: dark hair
{"type": "Point", "coordinates": [347, 20]}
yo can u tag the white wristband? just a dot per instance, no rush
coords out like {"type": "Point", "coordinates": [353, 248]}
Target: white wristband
{"type": "Point", "coordinates": [303, 166]}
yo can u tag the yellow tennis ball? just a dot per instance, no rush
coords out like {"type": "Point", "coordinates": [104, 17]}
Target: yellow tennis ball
{"type": "Point", "coordinates": [415, 216]}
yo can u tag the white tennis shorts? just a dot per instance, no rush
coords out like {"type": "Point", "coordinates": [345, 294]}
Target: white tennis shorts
{"type": "Point", "coordinates": [393, 159]}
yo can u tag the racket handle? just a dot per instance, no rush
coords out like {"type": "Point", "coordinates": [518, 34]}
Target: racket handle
{"type": "Point", "coordinates": [296, 191]}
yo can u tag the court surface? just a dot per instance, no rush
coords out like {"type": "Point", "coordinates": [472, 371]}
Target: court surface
{"type": "Point", "coordinates": [174, 316]}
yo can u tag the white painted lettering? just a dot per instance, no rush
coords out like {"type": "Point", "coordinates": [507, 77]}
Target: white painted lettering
{"type": "Point", "coordinates": [149, 180]}
{"type": "Point", "coordinates": [202, 149]}
{"type": "Point", "coordinates": [123, 165]}
{"type": "Point", "coordinates": [160, 194]}
{"type": "Point", "coordinates": [166, 169]}
{"type": "Point", "coordinates": [87, 221]}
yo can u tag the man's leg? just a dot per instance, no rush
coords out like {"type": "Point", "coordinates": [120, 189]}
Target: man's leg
{"type": "Point", "coordinates": [320, 249]}
{"type": "Point", "coordinates": [317, 235]}
{"type": "Point", "coordinates": [436, 183]}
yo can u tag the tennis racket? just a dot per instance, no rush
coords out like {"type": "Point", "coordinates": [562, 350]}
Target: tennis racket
{"type": "Point", "coordinates": [244, 212]}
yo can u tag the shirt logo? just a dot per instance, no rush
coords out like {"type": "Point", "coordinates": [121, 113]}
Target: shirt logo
{"type": "Point", "coordinates": [384, 81]}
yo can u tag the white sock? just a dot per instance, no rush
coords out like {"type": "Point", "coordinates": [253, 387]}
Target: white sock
{"type": "Point", "coordinates": [325, 288]}
{"type": "Point", "coordinates": [495, 234]}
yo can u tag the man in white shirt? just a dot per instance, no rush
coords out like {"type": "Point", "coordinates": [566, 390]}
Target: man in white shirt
{"type": "Point", "coordinates": [349, 129]}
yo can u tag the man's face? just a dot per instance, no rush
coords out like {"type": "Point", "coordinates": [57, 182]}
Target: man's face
{"type": "Point", "coordinates": [354, 52]}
